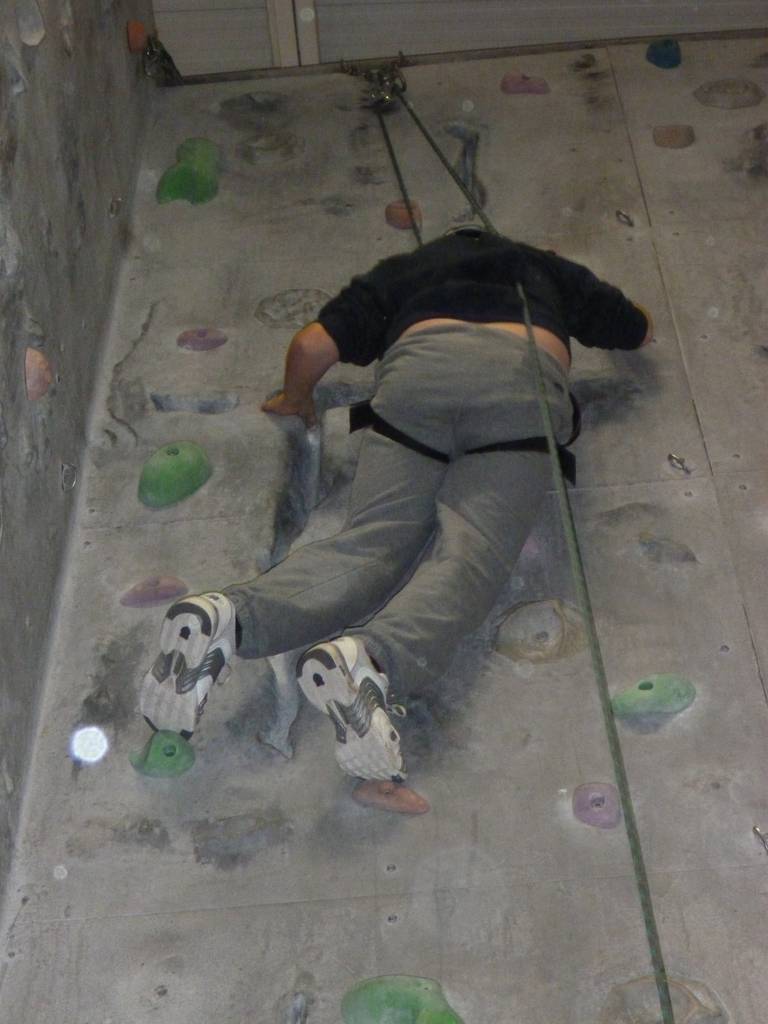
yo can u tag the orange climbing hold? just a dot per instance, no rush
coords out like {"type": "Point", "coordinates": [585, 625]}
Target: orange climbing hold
{"type": "Point", "coordinates": [137, 36]}
{"type": "Point", "coordinates": [390, 796]}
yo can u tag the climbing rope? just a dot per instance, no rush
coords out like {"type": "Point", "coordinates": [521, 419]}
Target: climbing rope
{"type": "Point", "coordinates": [387, 85]}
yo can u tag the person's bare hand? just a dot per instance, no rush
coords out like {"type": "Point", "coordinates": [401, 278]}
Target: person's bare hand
{"type": "Point", "coordinates": [281, 405]}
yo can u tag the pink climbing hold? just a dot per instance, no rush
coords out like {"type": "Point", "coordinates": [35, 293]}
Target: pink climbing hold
{"type": "Point", "coordinates": [397, 215]}
{"type": "Point", "coordinates": [153, 590]}
{"type": "Point", "coordinates": [201, 339]}
{"type": "Point", "coordinates": [390, 796]}
{"type": "Point", "coordinates": [515, 83]}
{"type": "Point", "coordinates": [38, 375]}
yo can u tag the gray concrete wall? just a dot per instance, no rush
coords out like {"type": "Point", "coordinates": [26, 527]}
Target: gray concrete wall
{"type": "Point", "coordinates": [72, 105]}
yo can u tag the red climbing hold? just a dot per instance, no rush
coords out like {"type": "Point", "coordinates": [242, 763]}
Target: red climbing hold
{"type": "Point", "coordinates": [201, 339]}
{"type": "Point", "coordinates": [397, 215]}
{"type": "Point", "coordinates": [38, 375]}
{"type": "Point", "coordinates": [390, 796]}
{"type": "Point", "coordinates": [137, 36]}
{"type": "Point", "coordinates": [154, 590]}
{"type": "Point", "coordinates": [516, 83]}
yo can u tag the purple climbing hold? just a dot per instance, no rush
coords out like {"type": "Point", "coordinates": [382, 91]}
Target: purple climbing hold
{"type": "Point", "coordinates": [515, 83]}
{"type": "Point", "coordinates": [154, 590]}
{"type": "Point", "coordinates": [201, 339]}
{"type": "Point", "coordinates": [597, 804]}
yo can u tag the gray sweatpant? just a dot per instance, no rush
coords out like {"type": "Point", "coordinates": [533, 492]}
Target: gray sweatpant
{"type": "Point", "coordinates": [426, 547]}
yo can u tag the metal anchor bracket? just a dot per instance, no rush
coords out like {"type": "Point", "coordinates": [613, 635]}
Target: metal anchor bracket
{"type": "Point", "coordinates": [385, 82]}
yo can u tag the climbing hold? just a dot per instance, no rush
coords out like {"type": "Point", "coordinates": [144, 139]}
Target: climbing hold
{"type": "Point", "coordinates": [585, 62]}
{"type": "Point", "coordinates": [292, 308]}
{"type": "Point", "coordinates": [210, 404]}
{"type": "Point", "coordinates": [397, 216]}
{"type": "Point", "coordinates": [281, 145]}
{"type": "Point", "coordinates": [165, 755]}
{"type": "Point", "coordinates": [194, 176]}
{"type": "Point", "coordinates": [173, 473]}
{"type": "Point", "coordinates": [515, 83]}
{"type": "Point", "coordinates": [664, 53]}
{"type": "Point", "coordinates": [201, 339]}
{"type": "Point", "coordinates": [674, 136]}
{"type": "Point", "coordinates": [541, 631]}
{"type": "Point", "coordinates": [137, 36]}
{"type": "Point", "coordinates": [655, 695]}
{"type": "Point", "coordinates": [624, 218]}
{"type": "Point", "coordinates": [663, 550]}
{"type": "Point", "coordinates": [729, 93]}
{"type": "Point", "coordinates": [38, 375]}
{"type": "Point", "coordinates": [637, 1002]}
{"type": "Point", "coordinates": [30, 22]}
{"type": "Point", "coordinates": [390, 796]}
{"type": "Point", "coordinates": [597, 804]}
{"type": "Point", "coordinates": [153, 590]}
{"type": "Point", "coordinates": [753, 155]}
{"type": "Point", "coordinates": [397, 999]}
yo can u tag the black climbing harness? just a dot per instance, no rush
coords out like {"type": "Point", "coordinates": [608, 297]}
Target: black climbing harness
{"type": "Point", "coordinates": [362, 414]}
{"type": "Point", "coordinates": [386, 89]}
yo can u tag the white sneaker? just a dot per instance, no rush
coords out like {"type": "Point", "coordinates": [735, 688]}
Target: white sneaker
{"type": "Point", "coordinates": [339, 678]}
{"type": "Point", "coordinates": [197, 641]}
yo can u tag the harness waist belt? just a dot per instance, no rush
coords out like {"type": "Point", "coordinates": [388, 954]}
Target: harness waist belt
{"type": "Point", "coordinates": [363, 415]}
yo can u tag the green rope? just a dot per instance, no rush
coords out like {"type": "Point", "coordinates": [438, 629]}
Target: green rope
{"type": "Point", "coordinates": [598, 666]}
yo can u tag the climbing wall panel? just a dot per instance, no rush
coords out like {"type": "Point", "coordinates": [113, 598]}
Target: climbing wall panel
{"type": "Point", "coordinates": [255, 882]}
{"type": "Point", "coordinates": [209, 36]}
{"type": "Point", "coordinates": [354, 28]}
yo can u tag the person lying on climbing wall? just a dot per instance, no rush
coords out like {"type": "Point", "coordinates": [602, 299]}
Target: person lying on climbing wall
{"type": "Point", "coordinates": [450, 477]}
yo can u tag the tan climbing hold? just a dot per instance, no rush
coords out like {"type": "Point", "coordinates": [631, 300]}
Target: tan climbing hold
{"type": "Point", "coordinates": [390, 796]}
{"type": "Point", "coordinates": [637, 1002]}
{"type": "Point", "coordinates": [397, 215]}
{"type": "Point", "coordinates": [729, 93]}
{"type": "Point", "coordinates": [541, 631]}
{"type": "Point", "coordinates": [674, 136]}
{"type": "Point", "coordinates": [38, 375]}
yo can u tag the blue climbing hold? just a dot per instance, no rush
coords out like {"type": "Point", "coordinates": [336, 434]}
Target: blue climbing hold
{"type": "Point", "coordinates": [664, 53]}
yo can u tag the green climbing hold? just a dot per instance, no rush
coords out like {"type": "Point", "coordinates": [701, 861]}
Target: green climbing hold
{"type": "Point", "coordinates": [165, 755]}
{"type": "Point", "coordinates": [173, 473]}
{"type": "Point", "coordinates": [397, 999]}
{"type": "Point", "coordinates": [655, 695]}
{"type": "Point", "coordinates": [194, 176]}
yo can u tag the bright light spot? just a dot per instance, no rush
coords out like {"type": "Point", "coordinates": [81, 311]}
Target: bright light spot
{"type": "Point", "coordinates": [307, 14]}
{"type": "Point", "coordinates": [60, 872]}
{"type": "Point", "coordinates": [89, 744]}
{"type": "Point", "coordinates": [713, 312]}
{"type": "Point", "coordinates": [467, 106]}
{"type": "Point", "coordinates": [710, 240]}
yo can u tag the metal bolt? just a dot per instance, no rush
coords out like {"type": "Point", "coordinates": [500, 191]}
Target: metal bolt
{"type": "Point", "coordinates": [678, 462]}
{"type": "Point", "coordinates": [761, 836]}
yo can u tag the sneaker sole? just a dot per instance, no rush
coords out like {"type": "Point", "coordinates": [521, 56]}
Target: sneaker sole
{"type": "Point", "coordinates": [182, 662]}
{"type": "Point", "coordinates": [325, 679]}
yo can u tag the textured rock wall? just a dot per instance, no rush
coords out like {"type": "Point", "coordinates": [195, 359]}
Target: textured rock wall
{"type": "Point", "coordinates": [72, 105]}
